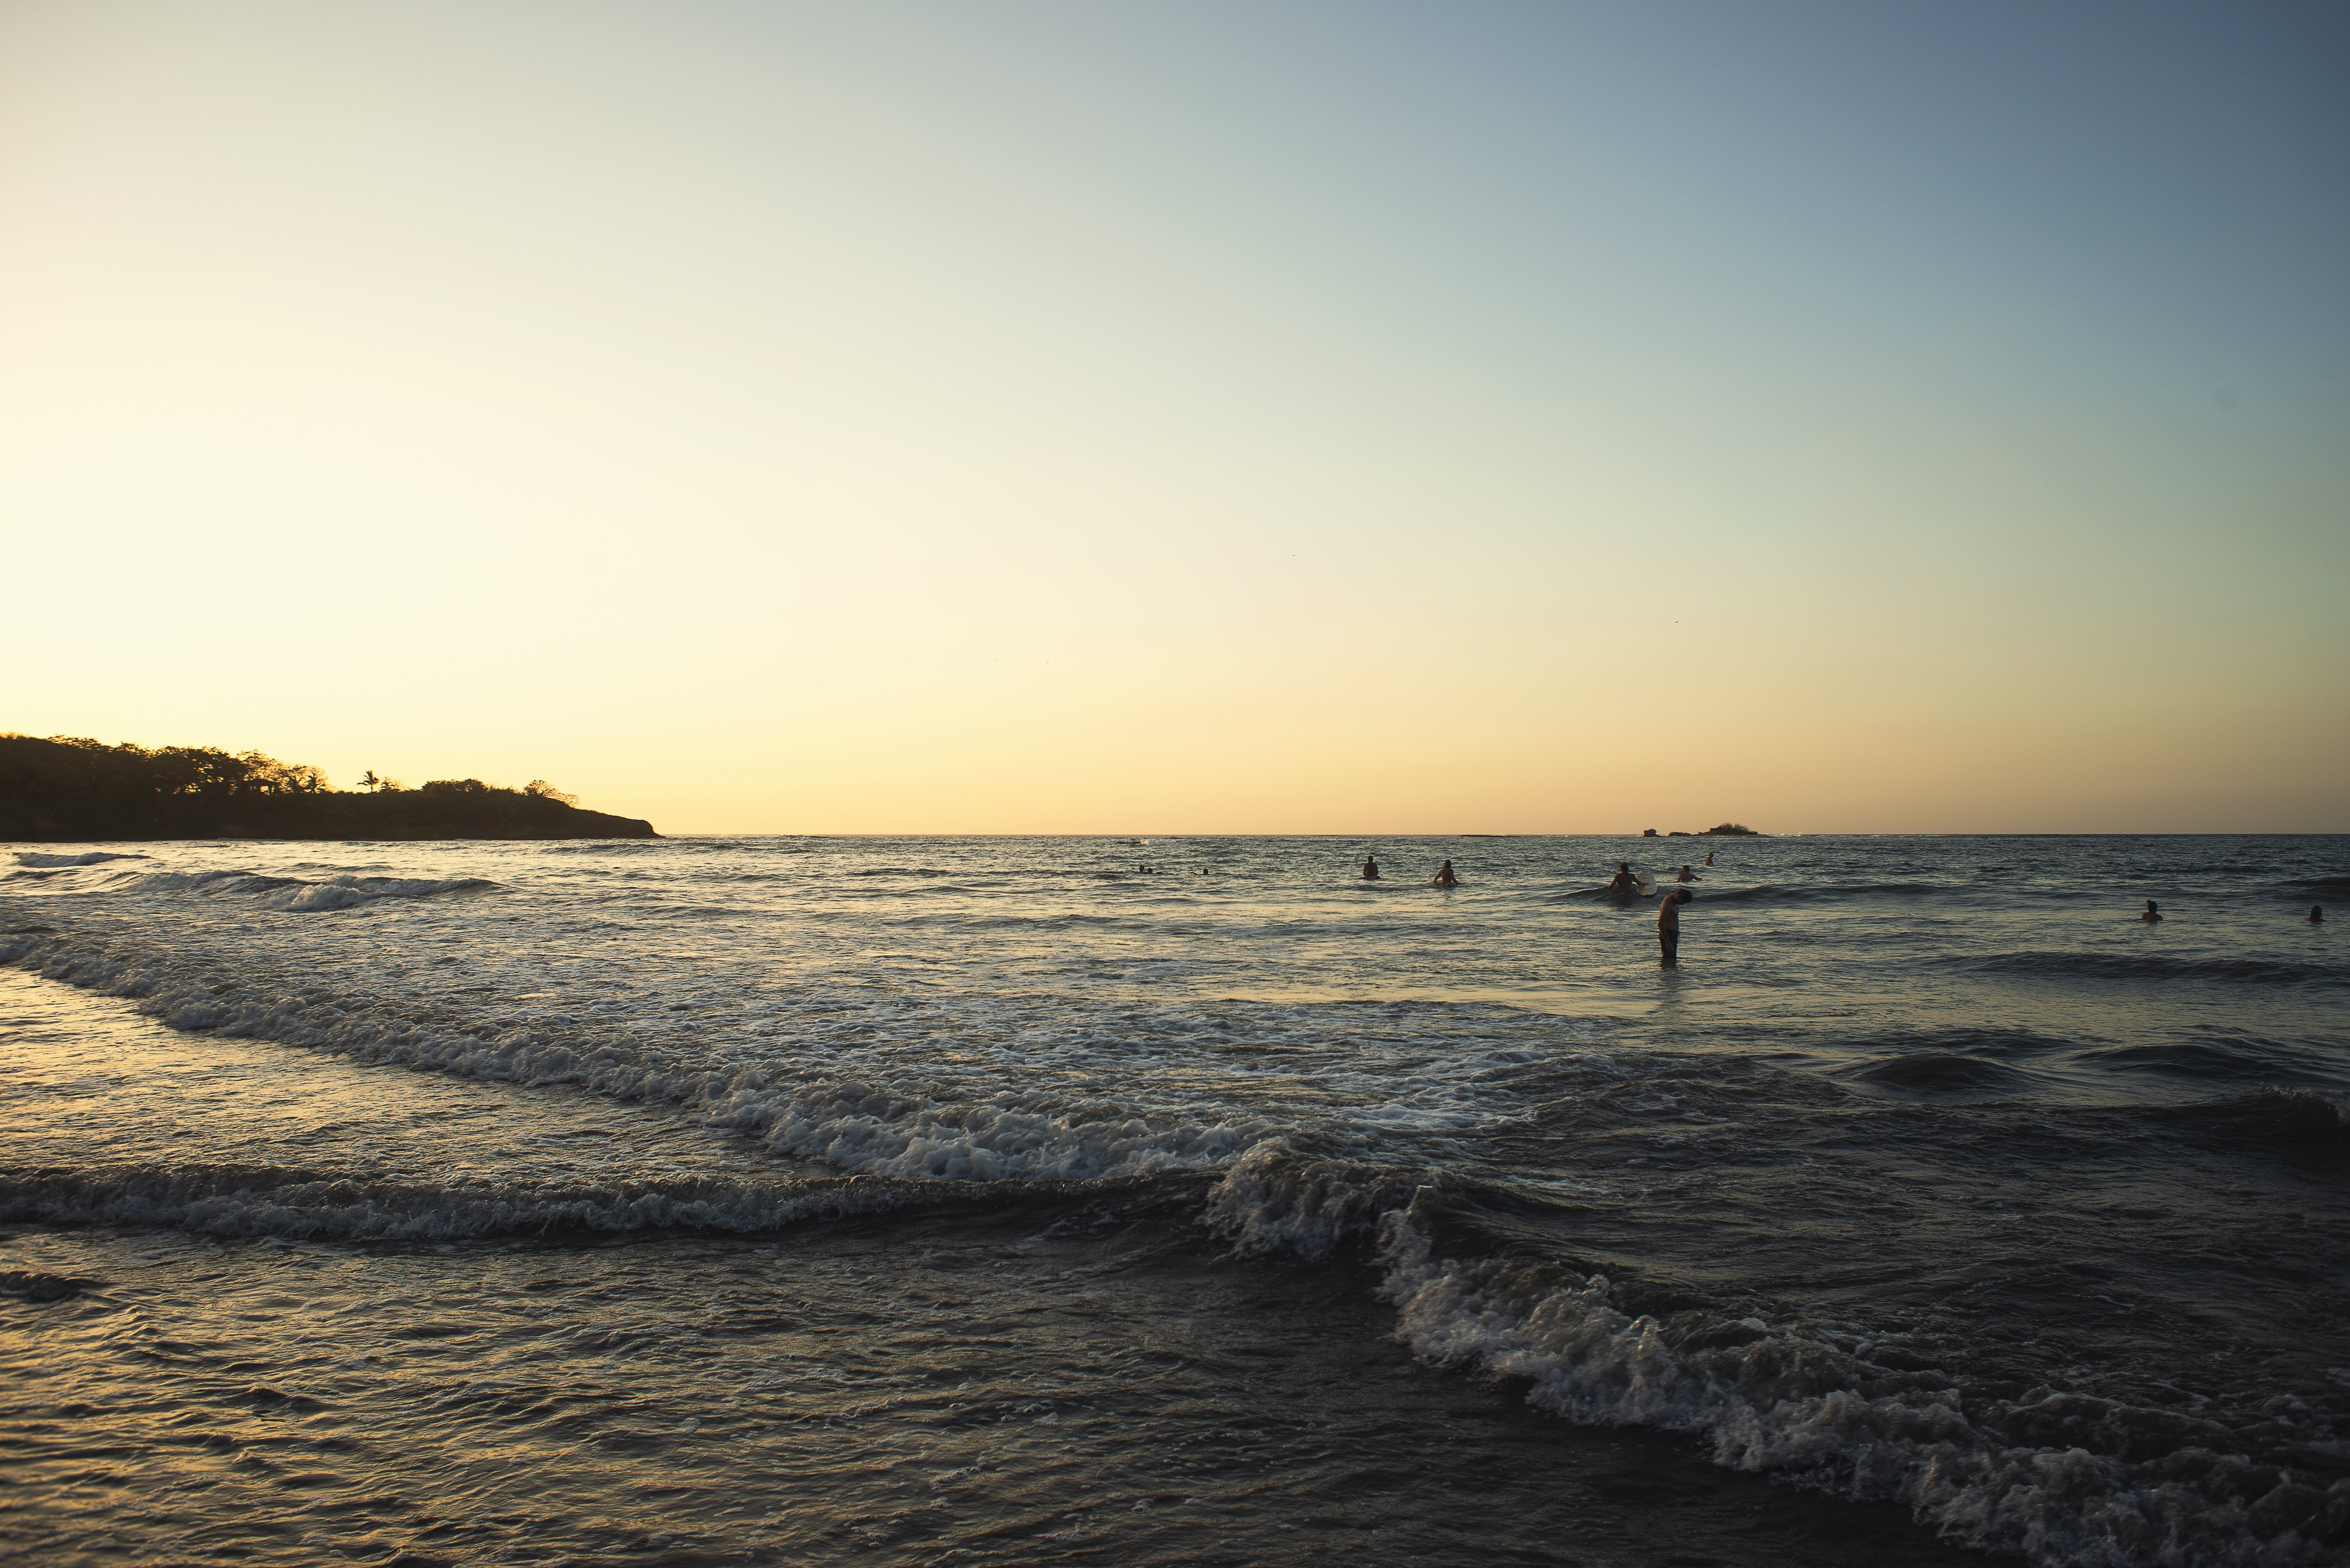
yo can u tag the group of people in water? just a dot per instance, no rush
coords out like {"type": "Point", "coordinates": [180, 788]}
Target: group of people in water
{"type": "Point", "coordinates": [1626, 883]}
{"type": "Point", "coordinates": [1624, 886]}
{"type": "Point", "coordinates": [1443, 877]}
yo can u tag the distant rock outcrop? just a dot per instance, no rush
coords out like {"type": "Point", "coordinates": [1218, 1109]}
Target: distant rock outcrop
{"type": "Point", "coordinates": [66, 790]}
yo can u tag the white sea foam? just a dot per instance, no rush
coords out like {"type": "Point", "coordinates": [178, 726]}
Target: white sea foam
{"type": "Point", "coordinates": [296, 896]}
{"type": "Point", "coordinates": [856, 1126]}
{"type": "Point", "coordinates": [1782, 1401]}
{"type": "Point", "coordinates": [1779, 1399]}
{"type": "Point", "coordinates": [94, 857]}
{"type": "Point", "coordinates": [1274, 1200]}
{"type": "Point", "coordinates": [82, 874]}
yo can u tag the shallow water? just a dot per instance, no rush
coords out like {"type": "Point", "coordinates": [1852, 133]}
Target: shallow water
{"type": "Point", "coordinates": [1237, 1211]}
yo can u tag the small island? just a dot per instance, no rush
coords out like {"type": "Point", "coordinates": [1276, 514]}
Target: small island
{"type": "Point", "coordinates": [1720, 830]}
{"type": "Point", "coordinates": [69, 790]}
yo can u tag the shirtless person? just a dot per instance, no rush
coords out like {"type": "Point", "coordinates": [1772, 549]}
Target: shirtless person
{"type": "Point", "coordinates": [1623, 885]}
{"type": "Point", "coordinates": [2152, 913]}
{"type": "Point", "coordinates": [1668, 927]}
{"type": "Point", "coordinates": [1444, 876]}
{"type": "Point", "coordinates": [1370, 867]}
{"type": "Point", "coordinates": [1686, 875]}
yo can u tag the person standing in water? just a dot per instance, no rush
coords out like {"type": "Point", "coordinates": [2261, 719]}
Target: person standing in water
{"type": "Point", "coordinates": [1669, 928]}
{"type": "Point", "coordinates": [2316, 915]}
{"type": "Point", "coordinates": [2152, 914]}
{"type": "Point", "coordinates": [1623, 885]}
{"type": "Point", "coordinates": [1686, 875]}
{"type": "Point", "coordinates": [1444, 876]}
{"type": "Point", "coordinates": [1370, 868]}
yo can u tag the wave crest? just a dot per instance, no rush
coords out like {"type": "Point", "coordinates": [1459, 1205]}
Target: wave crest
{"type": "Point", "coordinates": [295, 895]}
{"type": "Point", "coordinates": [877, 1128]}
{"type": "Point", "coordinates": [1274, 1200]}
{"type": "Point", "coordinates": [1787, 1402]}
{"type": "Point", "coordinates": [1941, 1074]}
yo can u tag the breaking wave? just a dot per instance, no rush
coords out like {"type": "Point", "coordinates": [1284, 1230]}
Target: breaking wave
{"type": "Point", "coordinates": [877, 1127]}
{"type": "Point", "coordinates": [295, 895]}
{"type": "Point", "coordinates": [2055, 1477]}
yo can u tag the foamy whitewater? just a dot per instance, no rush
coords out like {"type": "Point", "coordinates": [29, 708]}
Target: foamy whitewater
{"type": "Point", "coordinates": [929, 1200]}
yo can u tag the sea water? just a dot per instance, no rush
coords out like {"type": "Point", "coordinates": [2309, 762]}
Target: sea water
{"type": "Point", "coordinates": [928, 1200]}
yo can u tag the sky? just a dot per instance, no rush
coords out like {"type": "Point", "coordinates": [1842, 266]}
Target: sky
{"type": "Point", "coordinates": [1201, 418]}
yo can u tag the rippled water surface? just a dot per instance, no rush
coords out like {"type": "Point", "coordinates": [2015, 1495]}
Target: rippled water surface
{"type": "Point", "coordinates": [921, 1201]}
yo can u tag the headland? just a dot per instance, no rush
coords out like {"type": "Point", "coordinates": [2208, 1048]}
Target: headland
{"type": "Point", "coordinates": [65, 790]}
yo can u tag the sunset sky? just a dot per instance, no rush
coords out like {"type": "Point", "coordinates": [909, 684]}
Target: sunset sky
{"type": "Point", "coordinates": [1194, 418]}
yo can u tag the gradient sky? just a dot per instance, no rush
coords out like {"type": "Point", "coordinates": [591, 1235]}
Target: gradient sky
{"type": "Point", "coordinates": [1199, 418]}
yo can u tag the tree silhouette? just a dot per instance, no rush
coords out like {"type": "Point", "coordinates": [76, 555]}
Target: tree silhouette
{"type": "Point", "coordinates": [72, 788]}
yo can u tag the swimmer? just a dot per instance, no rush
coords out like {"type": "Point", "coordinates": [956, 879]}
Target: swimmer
{"type": "Point", "coordinates": [1709, 856]}
{"type": "Point", "coordinates": [1370, 868]}
{"type": "Point", "coordinates": [1686, 875]}
{"type": "Point", "coordinates": [2152, 914]}
{"type": "Point", "coordinates": [1444, 876]}
{"type": "Point", "coordinates": [1669, 928]}
{"type": "Point", "coordinates": [2316, 915]}
{"type": "Point", "coordinates": [1623, 885]}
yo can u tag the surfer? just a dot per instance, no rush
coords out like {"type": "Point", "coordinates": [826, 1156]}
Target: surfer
{"type": "Point", "coordinates": [1686, 875]}
{"type": "Point", "coordinates": [1370, 868]}
{"type": "Point", "coordinates": [1623, 885]}
{"type": "Point", "coordinates": [2152, 914]}
{"type": "Point", "coordinates": [1444, 876]}
{"type": "Point", "coordinates": [1668, 927]}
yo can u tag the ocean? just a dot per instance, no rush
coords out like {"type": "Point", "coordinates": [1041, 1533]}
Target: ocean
{"type": "Point", "coordinates": [939, 1200]}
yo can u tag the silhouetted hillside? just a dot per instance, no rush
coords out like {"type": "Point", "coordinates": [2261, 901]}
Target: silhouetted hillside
{"type": "Point", "coordinates": [68, 790]}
